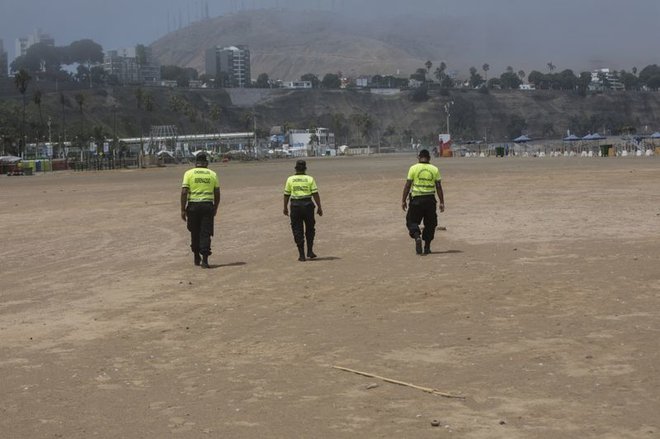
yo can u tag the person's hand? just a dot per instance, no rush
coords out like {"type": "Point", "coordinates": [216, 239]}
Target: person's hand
{"type": "Point", "coordinates": [442, 207]}
{"type": "Point", "coordinates": [404, 205]}
{"type": "Point", "coordinates": [319, 211]}
{"type": "Point", "coordinates": [285, 211]}
{"type": "Point", "coordinates": [183, 215]}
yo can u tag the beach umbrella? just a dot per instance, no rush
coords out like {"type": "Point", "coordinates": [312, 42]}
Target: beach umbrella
{"type": "Point", "coordinates": [571, 138]}
{"type": "Point", "coordinates": [655, 135]}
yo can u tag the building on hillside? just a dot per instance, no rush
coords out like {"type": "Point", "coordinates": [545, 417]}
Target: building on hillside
{"type": "Point", "coordinates": [302, 144]}
{"type": "Point", "coordinates": [134, 65]}
{"type": "Point", "coordinates": [605, 79]}
{"type": "Point", "coordinates": [24, 43]}
{"type": "Point", "coordinates": [4, 61]}
{"type": "Point", "coordinates": [297, 84]}
{"type": "Point", "coordinates": [229, 65]}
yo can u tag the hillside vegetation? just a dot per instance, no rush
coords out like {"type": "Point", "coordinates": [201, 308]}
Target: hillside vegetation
{"type": "Point", "coordinates": [355, 116]}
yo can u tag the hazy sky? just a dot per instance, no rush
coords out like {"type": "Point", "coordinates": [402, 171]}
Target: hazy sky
{"type": "Point", "coordinates": [501, 31]}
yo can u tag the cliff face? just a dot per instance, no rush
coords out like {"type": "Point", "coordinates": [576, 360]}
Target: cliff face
{"type": "Point", "coordinates": [499, 115]}
{"type": "Point", "coordinates": [473, 115]}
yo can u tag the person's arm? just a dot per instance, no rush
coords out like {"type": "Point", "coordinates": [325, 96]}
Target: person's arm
{"type": "Point", "coordinates": [317, 200]}
{"type": "Point", "coordinates": [216, 200]}
{"type": "Point", "coordinates": [184, 202]}
{"type": "Point", "coordinates": [286, 204]}
{"type": "Point", "coordinates": [441, 195]}
{"type": "Point", "coordinates": [406, 191]}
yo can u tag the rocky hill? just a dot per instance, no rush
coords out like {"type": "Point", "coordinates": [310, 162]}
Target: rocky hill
{"type": "Point", "coordinates": [286, 45]}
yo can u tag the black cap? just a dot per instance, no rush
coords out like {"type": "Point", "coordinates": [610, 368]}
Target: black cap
{"type": "Point", "coordinates": [424, 153]}
{"type": "Point", "coordinates": [301, 165]}
{"type": "Point", "coordinates": [201, 158]}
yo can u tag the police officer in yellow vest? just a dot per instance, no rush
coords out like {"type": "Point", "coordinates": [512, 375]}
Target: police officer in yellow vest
{"type": "Point", "coordinates": [200, 198]}
{"type": "Point", "coordinates": [300, 189]}
{"type": "Point", "coordinates": [422, 184]}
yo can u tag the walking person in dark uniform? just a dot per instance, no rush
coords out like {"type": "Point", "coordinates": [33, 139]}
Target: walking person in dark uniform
{"type": "Point", "coordinates": [200, 198]}
{"type": "Point", "coordinates": [300, 189]}
{"type": "Point", "coordinates": [422, 184]}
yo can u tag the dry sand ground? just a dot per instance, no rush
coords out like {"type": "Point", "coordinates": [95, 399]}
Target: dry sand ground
{"type": "Point", "coordinates": [541, 305]}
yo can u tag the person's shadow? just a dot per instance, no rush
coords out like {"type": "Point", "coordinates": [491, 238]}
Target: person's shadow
{"type": "Point", "coordinates": [445, 252]}
{"type": "Point", "coordinates": [324, 258]}
{"type": "Point", "coordinates": [231, 264]}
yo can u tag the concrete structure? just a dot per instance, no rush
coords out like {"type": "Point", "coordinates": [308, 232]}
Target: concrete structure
{"type": "Point", "coordinates": [301, 145]}
{"type": "Point", "coordinates": [602, 79]}
{"type": "Point", "coordinates": [24, 43]}
{"type": "Point", "coordinates": [4, 61]}
{"type": "Point", "coordinates": [229, 65]}
{"type": "Point", "coordinates": [297, 84]}
{"type": "Point", "coordinates": [134, 65]}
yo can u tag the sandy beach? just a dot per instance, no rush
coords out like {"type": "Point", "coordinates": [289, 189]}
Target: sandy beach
{"type": "Point", "coordinates": [540, 305]}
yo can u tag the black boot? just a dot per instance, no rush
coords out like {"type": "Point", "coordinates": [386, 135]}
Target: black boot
{"type": "Point", "coordinates": [427, 247]}
{"type": "Point", "coordinates": [310, 253]}
{"type": "Point", "coordinates": [205, 261]}
{"type": "Point", "coordinates": [418, 243]}
{"type": "Point", "coordinates": [301, 253]}
{"type": "Point", "coordinates": [197, 258]}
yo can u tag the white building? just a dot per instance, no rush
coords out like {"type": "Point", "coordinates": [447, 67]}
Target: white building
{"type": "Point", "coordinates": [24, 43]}
{"type": "Point", "coordinates": [297, 84]}
{"type": "Point", "coordinates": [134, 65]}
{"type": "Point", "coordinates": [605, 79]}
{"type": "Point", "coordinates": [229, 65]}
{"type": "Point", "coordinates": [301, 145]}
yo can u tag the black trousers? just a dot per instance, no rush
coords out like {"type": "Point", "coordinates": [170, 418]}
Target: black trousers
{"type": "Point", "coordinates": [303, 222]}
{"type": "Point", "coordinates": [422, 209]}
{"type": "Point", "coordinates": [200, 225]}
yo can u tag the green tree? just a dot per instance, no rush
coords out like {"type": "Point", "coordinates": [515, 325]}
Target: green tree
{"type": "Point", "coordinates": [80, 100]}
{"type": "Point", "coordinates": [440, 71]}
{"type": "Point", "coordinates": [214, 113]}
{"type": "Point", "coordinates": [419, 75]}
{"type": "Point", "coordinates": [311, 78]}
{"type": "Point", "coordinates": [509, 80]}
{"type": "Point", "coordinates": [475, 78]}
{"type": "Point", "coordinates": [148, 102]}
{"type": "Point", "coordinates": [263, 81]}
{"type": "Point", "coordinates": [583, 83]}
{"type": "Point", "coordinates": [36, 98]}
{"type": "Point", "coordinates": [84, 51]}
{"type": "Point", "coordinates": [21, 81]}
{"type": "Point", "coordinates": [99, 138]}
{"type": "Point", "coordinates": [331, 81]}
{"type": "Point", "coordinates": [139, 96]}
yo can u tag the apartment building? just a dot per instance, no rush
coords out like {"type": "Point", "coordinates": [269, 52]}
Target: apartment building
{"type": "Point", "coordinates": [24, 43]}
{"type": "Point", "coordinates": [133, 65]}
{"type": "Point", "coordinates": [4, 61]}
{"type": "Point", "coordinates": [229, 65]}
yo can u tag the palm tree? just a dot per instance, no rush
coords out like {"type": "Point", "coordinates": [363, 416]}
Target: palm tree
{"type": "Point", "coordinates": [80, 100]}
{"type": "Point", "coordinates": [551, 66]}
{"type": "Point", "coordinates": [63, 102]}
{"type": "Point", "coordinates": [485, 68]}
{"type": "Point", "coordinates": [37, 100]}
{"type": "Point", "coordinates": [428, 64]}
{"type": "Point", "coordinates": [521, 74]}
{"type": "Point", "coordinates": [21, 80]}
